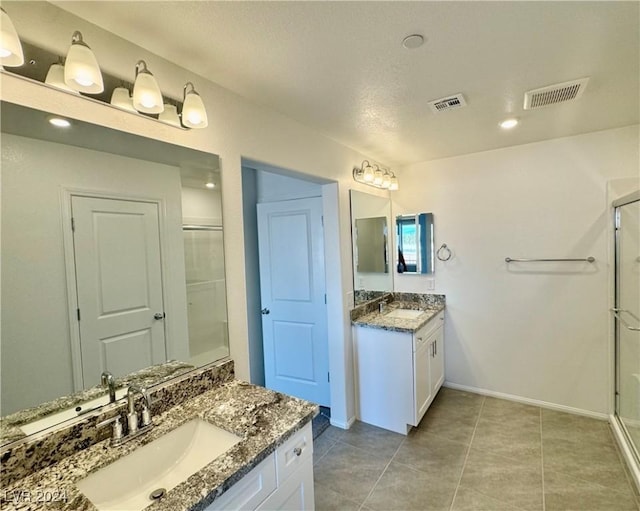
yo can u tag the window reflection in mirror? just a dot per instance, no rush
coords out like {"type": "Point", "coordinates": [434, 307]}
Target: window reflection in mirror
{"type": "Point", "coordinates": [414, 234]}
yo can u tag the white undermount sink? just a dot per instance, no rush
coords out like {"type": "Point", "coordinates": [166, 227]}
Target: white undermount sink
{"type": "Point", "coordinates": [69, 413]}
{"type": "Point", "coordinates": [404, 313]}
{"type": "Point", "coordinates": [127, 484]}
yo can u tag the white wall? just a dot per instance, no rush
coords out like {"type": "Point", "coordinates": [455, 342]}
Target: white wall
{"type": "Point", "coordinates": [35, 323]}
{"type": "Point", "coordinates": [201, 206]}
{"type": "Point", "coordinates": [237, 129]}
{"type": "Point", "coordinates": [535, 331]}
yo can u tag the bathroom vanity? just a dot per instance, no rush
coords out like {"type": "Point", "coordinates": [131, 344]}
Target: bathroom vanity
{"type": "Point", "coordinates": [399, 359]}
{"type": "Point", "coordinates": [268, 465]}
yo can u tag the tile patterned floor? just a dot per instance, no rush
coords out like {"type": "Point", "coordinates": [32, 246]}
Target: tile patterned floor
{"type": "Point", "coordinates": [472, 453]}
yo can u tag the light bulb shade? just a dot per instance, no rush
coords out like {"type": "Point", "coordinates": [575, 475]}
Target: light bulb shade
{"type": "Point", "coordinates": [377, 178]}
{"type": "Point", "coordinates": [147, 97]}
{"type": "Point", "coordinates": [194, 114]}
{"type": "Point", "coordinates": [386, 180]}
{"type": "Point", "coordinates": [393, 186]}
{"type": "Point", "coordinates": [81, 70]}
{"type": "Point", "coordinates": [368, 174]}
{"type": "Point", "coordinates": [55, 78]}
{"type": "Point", "coordinates": [10, 48]}
{"type": "Point", "coordinates": [121, 98]}
{"type": "Point", "coordinates": [170, 115]}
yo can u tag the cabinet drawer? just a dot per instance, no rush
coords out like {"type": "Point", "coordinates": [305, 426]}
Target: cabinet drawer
{"type": "Point", "coordinates": [428, 329]}
{"type": "Point", "coordinates": [251, 490]}
{"type": "Point", "coordinates": [293, 453]}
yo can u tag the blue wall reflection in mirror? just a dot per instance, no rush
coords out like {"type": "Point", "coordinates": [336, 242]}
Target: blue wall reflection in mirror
{"type": "Point", "coordinates": [415, 243]}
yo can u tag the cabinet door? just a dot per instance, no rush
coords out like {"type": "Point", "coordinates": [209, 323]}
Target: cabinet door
{"type": "Point", "coordinates": [422, 380]}
{"type": "Point", "coordinates": [295, 494]}
{"type": "Point", "coordinates": [437, 360]}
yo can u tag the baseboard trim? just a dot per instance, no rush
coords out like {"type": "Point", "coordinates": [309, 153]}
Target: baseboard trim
{"type": "Point", "coordinates": [625, 450]}
{"type": "Point", "coordinates": [528, 401]}
{"type": "Point", "coordinates": [342, 424]}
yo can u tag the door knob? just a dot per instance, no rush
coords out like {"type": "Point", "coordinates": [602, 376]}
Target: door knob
{"type": "Point", "coordinates": [159, 315]}
{"type": "Point", "coordinates": [265, 311]}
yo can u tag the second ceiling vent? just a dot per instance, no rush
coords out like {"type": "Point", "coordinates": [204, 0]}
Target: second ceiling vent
{"type": "Point", "coordinates": [552, 94]}
{"type": "Point", "coordinates": [448, 103]}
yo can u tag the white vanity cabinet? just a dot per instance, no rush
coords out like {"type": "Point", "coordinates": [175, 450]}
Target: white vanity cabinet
{"type": "Point", "coordinates": [398, 373]}
{"type": "Point", "coordinates": [282, 481]}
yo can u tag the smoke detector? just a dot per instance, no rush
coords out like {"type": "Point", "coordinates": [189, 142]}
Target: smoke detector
{"type": "Point", "coordinates": [447, 103]}
{"type": "Point", "coordinates": [553, 94]}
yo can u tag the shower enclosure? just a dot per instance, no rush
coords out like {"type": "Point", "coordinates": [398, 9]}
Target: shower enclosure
{"type": "Point", "coordinates": [627, 323]}
{"type": "Point", "coordinates": [206, 297]}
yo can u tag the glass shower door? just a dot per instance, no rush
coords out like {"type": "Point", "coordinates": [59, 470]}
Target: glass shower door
{"type": "Point", "coordinates": [627, 314]}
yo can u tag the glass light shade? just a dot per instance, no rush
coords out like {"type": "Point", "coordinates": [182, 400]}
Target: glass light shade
{"type": "Point", "coordinates": [120, 97]}
{"type": "Point", "coordinates": [10, 48]}
{"type": "Point", "coordinates": [393, 186]}
{"type": "Point", "coordinates": [194, 115]}
{"type": "Point", "coordinates": [377, 178]}
{"type": "Point", "coordinates": [386, 180]}
{"type": "Point", "coordinates": [368, 174]}
{"type": "Point", "coordinates": [147, 97]}
{"type": "Point", "coordinates": [170, 115]}
{"type": "Point", "coordinates": [55, 78]}
{"type": "Point", "coordinates": [81, 70]}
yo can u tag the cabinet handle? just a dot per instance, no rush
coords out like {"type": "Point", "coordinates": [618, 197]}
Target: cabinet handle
{"type": "Point", "coordinates": [435, 347]}
{"type": "Point", "coordinates": [297, 451]}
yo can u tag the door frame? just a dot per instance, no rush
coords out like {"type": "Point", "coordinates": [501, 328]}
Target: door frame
{"type": "Point", "coordinates": [66, 195]}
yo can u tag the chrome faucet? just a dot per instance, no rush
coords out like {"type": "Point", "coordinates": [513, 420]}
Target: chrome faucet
{"type": "Point", "coordinates": [134, 429]}
{"type": "Point", "coordinates": [132, 416]}
{"type": "Point", "coordinates": [109, 382]}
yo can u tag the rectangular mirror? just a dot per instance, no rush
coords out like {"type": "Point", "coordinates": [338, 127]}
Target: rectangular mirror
{"type": "Point", "coordinates": [97, 225]}
{"type": "Point", "coordinates": [414, 235]}
{"type": "Point", "coordinates": [371, 245]}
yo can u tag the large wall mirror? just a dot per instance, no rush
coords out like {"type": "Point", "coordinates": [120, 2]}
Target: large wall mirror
{"type": "Point", "coordinates": [112, 258]}
{"type": "Point", "coordinates": [414, 236]}
{"type": "Point", "coordinates": [371, 244]}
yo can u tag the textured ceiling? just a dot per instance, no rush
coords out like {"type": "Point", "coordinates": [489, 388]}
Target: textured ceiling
{"type": "Point", "coordinates": [339, 67]}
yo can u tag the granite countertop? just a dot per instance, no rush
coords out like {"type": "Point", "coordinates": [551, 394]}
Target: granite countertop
{"type": "Point", "coordinates": [377, 320]}
{"type": "Point", "coordinates": [263, 418]}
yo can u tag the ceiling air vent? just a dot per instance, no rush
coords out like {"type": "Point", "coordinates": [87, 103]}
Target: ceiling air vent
{"type": "Point", "coordinates": [552, 94]}
{"type": "Point", "coordinates": [448, 103]}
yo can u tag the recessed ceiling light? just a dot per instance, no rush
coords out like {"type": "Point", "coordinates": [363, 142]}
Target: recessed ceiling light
{"type": "Point", "coordinates": [508, 124]}
{"type": "Point", "coordinates": [413, 41]}
{"type": "Point", "coordinates": [59, 122]}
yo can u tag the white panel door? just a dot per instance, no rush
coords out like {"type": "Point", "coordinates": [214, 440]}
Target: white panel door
{"type": "Point", "coordinates": [292, 286]}
{"type": "Point", "coordinates": [119, 285]}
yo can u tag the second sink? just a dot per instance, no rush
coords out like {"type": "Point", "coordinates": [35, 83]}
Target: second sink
{"type": "Point", "coordinates": [138, 479]}
{"type": "Point", "coordinates": [404, 313]}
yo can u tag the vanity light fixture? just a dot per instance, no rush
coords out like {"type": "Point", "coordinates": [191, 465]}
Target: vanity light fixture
{"type": "Point", "coordinates": [147, 97]}
{"type": "Point", "coordinates": [59, 122]}
{"type": "Point", "coordinates": [10, 48]}
{"type": "Point", "coordinates": [170, 115]}
{"type": "Point", "coordinates": [121, 98]}
{"type": "Point", "coordinates": [508, 124]}
{"type": "Point", "coordinates": [194, 114]}
{"type": "Point", "coordinates": [81, 70]}
{"type": "Point", "coordinates": [55, 78]}
{"type": "Point", "coordinates": [368, 175]}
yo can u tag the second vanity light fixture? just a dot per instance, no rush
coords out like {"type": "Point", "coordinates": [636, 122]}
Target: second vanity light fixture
{"type": "Point", "coordinates": [147, 97]}
{"type": "Point", "coordinates": [81, 70]}
{"type": "Point", "coordinates": [376, 177]}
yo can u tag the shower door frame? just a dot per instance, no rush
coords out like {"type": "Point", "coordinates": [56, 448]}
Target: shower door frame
{"type": "Point", "coordinates": [630, 451]}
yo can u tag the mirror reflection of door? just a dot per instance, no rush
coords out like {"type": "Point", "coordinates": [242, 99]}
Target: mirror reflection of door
{"type": "Point", "coordinates": [116, 245]}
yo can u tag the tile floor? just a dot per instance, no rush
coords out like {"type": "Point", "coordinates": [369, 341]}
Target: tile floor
{"type": "Point", "coordinates": [472, 453]}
